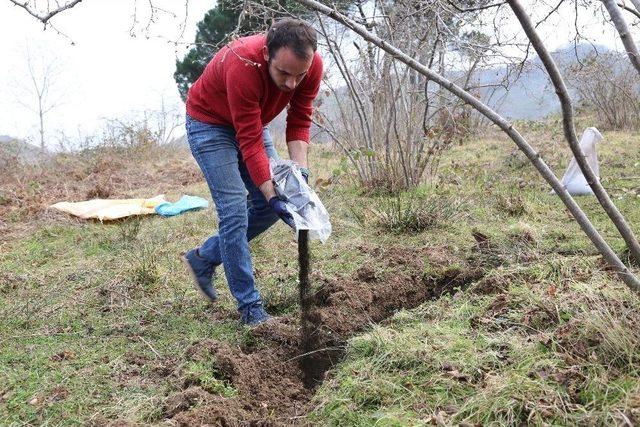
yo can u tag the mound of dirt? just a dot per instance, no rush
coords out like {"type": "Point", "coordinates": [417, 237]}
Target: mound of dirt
{"type": "Point", "coordinates": [271, 375]}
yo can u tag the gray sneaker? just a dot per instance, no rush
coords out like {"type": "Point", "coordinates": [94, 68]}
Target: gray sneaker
{"type": "Point", "coordinates": [203, 273]}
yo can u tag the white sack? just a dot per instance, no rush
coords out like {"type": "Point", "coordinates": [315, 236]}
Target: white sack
{"type": "Point", "coordinates": [304, 204]}
{"type": "Point", "coordinates": [573, 179]}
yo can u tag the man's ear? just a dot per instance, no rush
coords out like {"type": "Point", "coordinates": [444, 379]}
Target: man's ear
{"type": "Point", "coordinates": [265, 53]}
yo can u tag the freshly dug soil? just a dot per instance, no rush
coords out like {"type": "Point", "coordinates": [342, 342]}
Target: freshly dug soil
{"type": "Point", "coordinates": [269, 375]}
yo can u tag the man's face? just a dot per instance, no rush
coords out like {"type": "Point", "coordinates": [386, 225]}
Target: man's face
{"type": "Point", "coordinates": [286, 69]}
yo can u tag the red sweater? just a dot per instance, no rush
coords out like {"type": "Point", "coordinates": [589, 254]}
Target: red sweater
{"type": "Point", "coordinates": [236, 90]}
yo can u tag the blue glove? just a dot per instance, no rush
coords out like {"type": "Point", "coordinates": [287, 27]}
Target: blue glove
{"type": "Point", "coordinates": [280, 208]}
{"type": "Point", "coordinates": [305, 174]}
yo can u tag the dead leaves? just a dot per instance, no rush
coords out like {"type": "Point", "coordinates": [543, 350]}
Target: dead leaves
{"type": "Point", "coordinates": [452, 372]}
{"type": "Point", "coordinates": [63, 355]}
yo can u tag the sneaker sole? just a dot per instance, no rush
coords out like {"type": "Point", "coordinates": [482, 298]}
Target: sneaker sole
{"type": "Point", "coordinates": [194, 282]}
{"type": "Point", "coordinates": [269, 320]}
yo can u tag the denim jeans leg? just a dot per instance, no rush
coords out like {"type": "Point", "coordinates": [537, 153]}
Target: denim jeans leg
{"type": "Point", "coordinates": [261, 217]}
{"type": "Point", "coordinates": [217, 153]}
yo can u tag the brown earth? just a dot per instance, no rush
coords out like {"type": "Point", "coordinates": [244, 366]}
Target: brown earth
{"type": "Point", "coordinates": [270, 375]}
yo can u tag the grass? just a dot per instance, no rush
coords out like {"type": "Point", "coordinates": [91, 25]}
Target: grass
{"type": "Point", "coordinates": [413, 212]}
{"type": "Point", "coordinates": [497, 359]}
{"type": "Point", "coordinates": [96, 319]}
{"type": "Point", "coordinates": [547, 337]}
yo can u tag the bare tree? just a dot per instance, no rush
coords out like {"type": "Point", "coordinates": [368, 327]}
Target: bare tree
{"type": "Point", "coordinates": [40, 93]}
{"type": "Point", "coordinates": [379, 104]}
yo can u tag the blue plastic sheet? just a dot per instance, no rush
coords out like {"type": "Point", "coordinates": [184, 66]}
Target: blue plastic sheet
{"type": "Point", "coordinates": [186, 203]}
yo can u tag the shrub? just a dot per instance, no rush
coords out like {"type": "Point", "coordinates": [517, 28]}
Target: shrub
{"type": "Point", "coordinates": [410, 212]}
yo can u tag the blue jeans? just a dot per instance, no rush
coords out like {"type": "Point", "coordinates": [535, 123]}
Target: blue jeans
{"type": "Point", "coordinates": [243, 212]}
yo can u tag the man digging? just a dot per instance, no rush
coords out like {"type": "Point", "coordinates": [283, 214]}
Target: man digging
{"type": "Point", "coordinates": [245, 86]}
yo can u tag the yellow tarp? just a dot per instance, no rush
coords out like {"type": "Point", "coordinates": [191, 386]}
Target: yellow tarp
{"type": "Point", "coordinates": [106, 209]}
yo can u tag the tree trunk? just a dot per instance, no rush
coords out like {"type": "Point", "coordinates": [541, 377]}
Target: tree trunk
{"type": "Point", "coordinates": [625, 35]}
{"type": "Point", "coordinates": [570, 133]}
{"type": "Point", "coordinates": [41, 117]}
{"type": "Point", "coordinates": [624, 273]}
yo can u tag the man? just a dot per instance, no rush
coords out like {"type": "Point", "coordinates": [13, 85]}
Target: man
{"type": "Point", "coordinates": [245, 86]}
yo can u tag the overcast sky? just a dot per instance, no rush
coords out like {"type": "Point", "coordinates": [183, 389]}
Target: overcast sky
{"type": "Point", "coordinates": [107, 73]}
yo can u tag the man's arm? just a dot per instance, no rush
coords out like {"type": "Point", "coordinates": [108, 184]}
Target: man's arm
{"type": "Point", "coordinates": [298, 150]}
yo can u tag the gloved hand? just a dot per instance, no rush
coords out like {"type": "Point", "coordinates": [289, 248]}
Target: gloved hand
{"type": "Point", "coordinates": [305, 174]}
{"type": "Point", "coordinates": [280, 208]}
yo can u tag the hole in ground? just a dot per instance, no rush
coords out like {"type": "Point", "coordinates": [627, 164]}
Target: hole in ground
{"type": "Point", "coordinates": [275, 381]}
{"type": "Point", "coordinates": [354, 306]}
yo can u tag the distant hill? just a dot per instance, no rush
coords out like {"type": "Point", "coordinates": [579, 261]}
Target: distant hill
{"type": "Point", "coordinates": [527, 94]}
{"type": "Point", "coordinates": [11, 147]}
{"type": "Point", "coordinates": [530, 95]}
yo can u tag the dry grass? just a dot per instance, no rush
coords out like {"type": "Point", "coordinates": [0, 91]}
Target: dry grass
{"type": "Point", "coordinates": [113, 169]}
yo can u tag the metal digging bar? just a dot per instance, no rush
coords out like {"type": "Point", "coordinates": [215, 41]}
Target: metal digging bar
{"type": "Point", "coordinates": [305, 308]}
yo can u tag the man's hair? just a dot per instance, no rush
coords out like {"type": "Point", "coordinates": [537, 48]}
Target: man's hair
{"type": "Point", "coordinates": [295, 34]}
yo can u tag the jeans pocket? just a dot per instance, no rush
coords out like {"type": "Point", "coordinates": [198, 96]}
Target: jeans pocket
{"type": "Point", "coordinates": [200, 134]}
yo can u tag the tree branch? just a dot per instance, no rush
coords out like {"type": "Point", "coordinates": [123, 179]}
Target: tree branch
{"type": "Point", "coordinates": [624, 273]}
{"type": "Point", "coordinates": [629, 9]}
{"type": "Point", "coordinates": [475, 9]}
{"type": "Point", "coordinates": [44, 18]}
{"type": "Point", "coordinates": [636, 4]}
{"type": "Point", "coordinates": [625, 35]}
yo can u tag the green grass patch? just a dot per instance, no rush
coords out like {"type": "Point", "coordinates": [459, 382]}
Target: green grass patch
{"type": "Point", "coordinates": [95, 318]}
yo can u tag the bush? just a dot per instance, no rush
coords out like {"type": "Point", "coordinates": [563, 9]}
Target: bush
{"type": "Point", "coordinates": [411, 212]}
{"type": "Point", "coordinates": [608, 84]}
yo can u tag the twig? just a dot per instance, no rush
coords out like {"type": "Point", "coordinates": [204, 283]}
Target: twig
{"type": "Point", "coordinates": [629, 9]}
{"type": "Point", "coordinates": [554, 10]}
{"type": "Point", "coordinates": [45, 18]}
{"type": "Point", "coordinates": [476, 9]}
{"type": "Point", "coordinates": [150, 346]}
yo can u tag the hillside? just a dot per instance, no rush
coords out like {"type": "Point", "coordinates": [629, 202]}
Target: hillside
{"type": "Point", "coordinates": [528, 94]}
{"type": "Point", "coordinates": [497, 311]}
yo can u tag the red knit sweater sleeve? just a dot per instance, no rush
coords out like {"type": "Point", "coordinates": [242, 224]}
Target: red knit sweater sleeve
{"type": "Point", "coordinates": [299, 114]}
{"type": "Point", "coordinates": [244, 90]}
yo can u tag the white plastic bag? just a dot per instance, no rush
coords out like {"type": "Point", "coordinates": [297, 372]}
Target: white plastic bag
{"type": "Point", "coordinates": [573, 179]}
{"type": "Point", "coordinates": [304, 204]}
